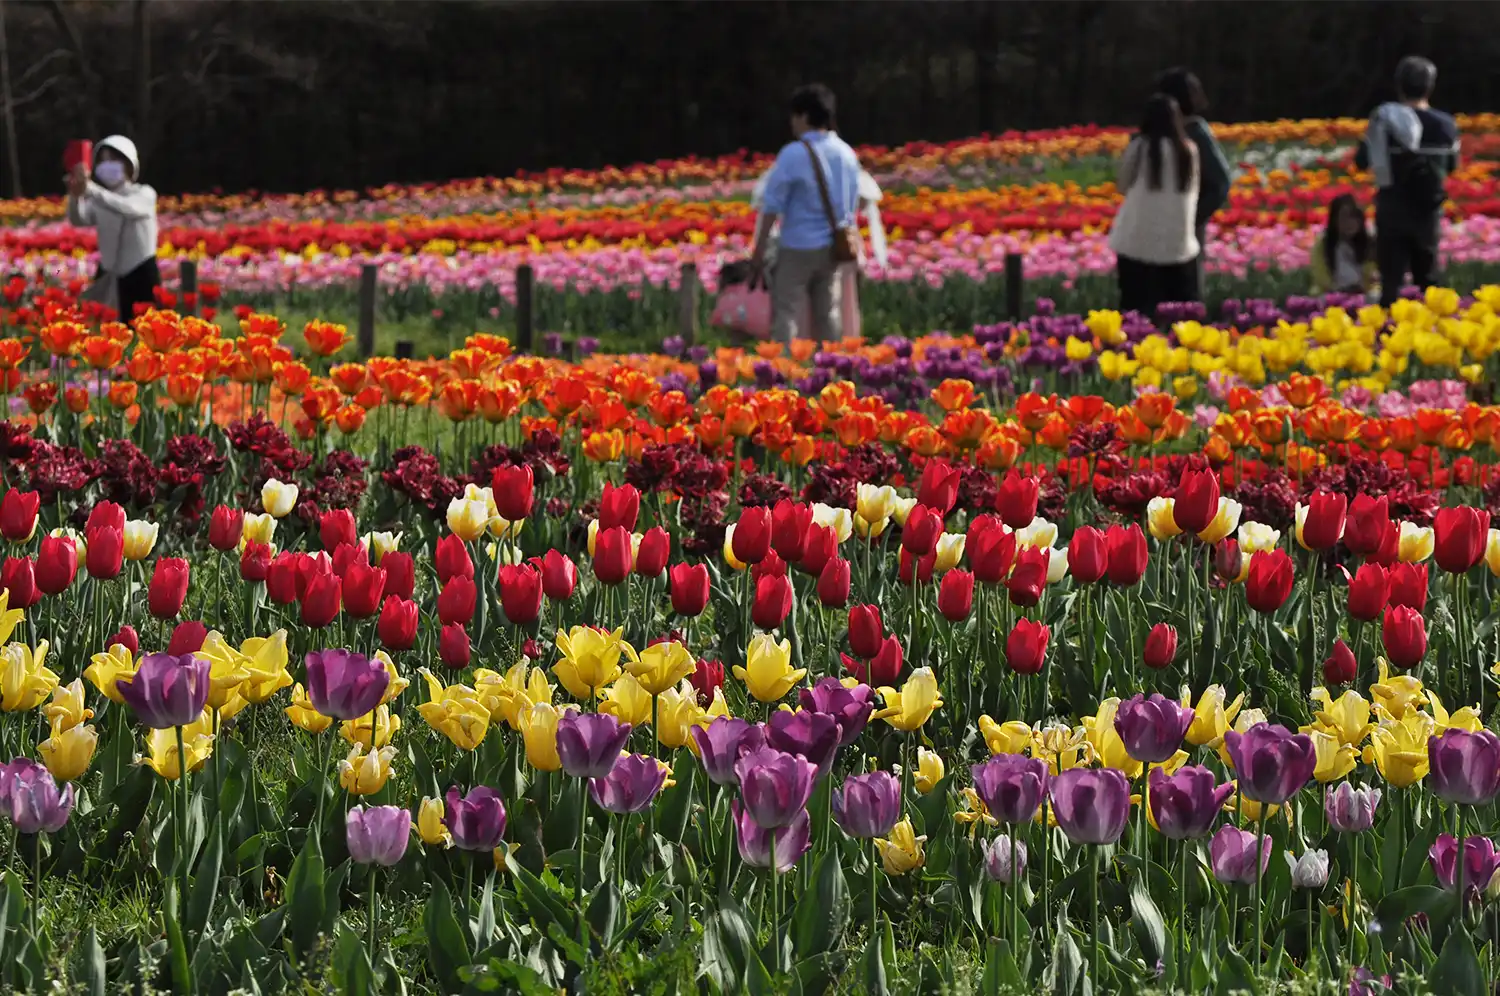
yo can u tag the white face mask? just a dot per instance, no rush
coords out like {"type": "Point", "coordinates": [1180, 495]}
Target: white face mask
{"type": "Point", "coordinates": [110, 173]}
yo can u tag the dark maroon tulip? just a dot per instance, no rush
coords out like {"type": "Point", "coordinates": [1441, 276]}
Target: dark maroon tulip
{"type": "Point", "coordinates": [1366, 524]}
{"type": "Point", "coordinates": [187, 638]}
{"type": "Point", "coordinates": [1339, 667]}
{"type": "Point", "coordinates": [1161, 646]}
{"type": "Point", "coordinates": [453, 646]}
{"type": "Point", "coordinates": [1404, 634]}
{"type": "Point", "coordinates": [255, 562]}
{"type": "Point", "coordinates": [752, 536]}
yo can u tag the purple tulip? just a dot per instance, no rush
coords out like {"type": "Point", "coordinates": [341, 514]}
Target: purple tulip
{"type": "Point", "coordinates": [1464, 766]}
{"type": "Point", "coordinates": [32, 799]}
{"type": "Point", "coordinates": [167, 691]}
{"type": "Point", "coordinates": [1481, 860]}
{"type": "Point", "coordinates": [589, 744]}
{"type": "Point", "coordinates": [1152, 728]}
{"type": "Point", "coordinates": [774, 785]}
{"type": "Point", "coordinates": [1092, 804]}
{"type": "Point", "coordinates": [850, 706]}
{"type": "Point", "coordinates": [1350, 809]}
{"type": "Point", "coordinates": [377, 835]}
{"type": "Point", "coordinates": [1271, 762]}
{"type": "Point", "coordinates": [630, 785]}
{"type": "Point", "coordinates": [867, 806]}
{"type": "Point", "coordinates": [476, 822]}
{"type": "Point", "coordinates": [997, 863]}
{"type": "Point", "coordinates": [756, 841]}
{"type": "Point", "coordinates": [1232, 855]}
{"type": "Point", "coordinates": [721, 743]}
{"type": "Point", "coordinates": [1186, 803]}
{"type": "Point", "coordinates": [343, 684]}
{"type": "Point", "coordinates": [813, 735]}
{"type": "Point", "coordinates": [1011, 786]}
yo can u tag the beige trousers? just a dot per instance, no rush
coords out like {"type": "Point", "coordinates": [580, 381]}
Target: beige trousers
{"type": "Point", "coordinates": [804, 293]}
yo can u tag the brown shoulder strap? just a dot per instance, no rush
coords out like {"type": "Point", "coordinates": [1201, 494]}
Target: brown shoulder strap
{"type": "Point", "coordinates": [833, 221]}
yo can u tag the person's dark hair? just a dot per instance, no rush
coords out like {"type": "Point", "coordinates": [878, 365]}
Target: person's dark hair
{"type": "Point", "coordinates": [1183, 86]}
{"type": "Point", "coordinates": [1415, 78]}
{"type": "Point", "coordinates": [814, 102]}
{"type": "Point", "coordinates": [1331, 236]}
{"type": "Point", "coordinates": [1164, 120]}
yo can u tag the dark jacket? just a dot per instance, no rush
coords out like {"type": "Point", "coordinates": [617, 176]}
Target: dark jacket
{"type": "Point", "coordinates": [1213, 185]}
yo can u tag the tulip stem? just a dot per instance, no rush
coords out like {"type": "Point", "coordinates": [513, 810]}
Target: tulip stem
{"type": "Point", "coordinates": [874, 892]}
{"type": "Point", "coordinates": [1458, 834]}
{"type": "Point", "coordinates": [1353, 902]}
{"type": "Point", "coordinates": [36, 883]}
{"type": "Point", "coordinates": [1015, 895]}
{"type": "Point", "coordinates": [1260, 912]}
{"type": "Point", "coordinates": [1182, 888]}
{"type": "Point", "coordinates": [1094, 917]}
{"type": "Point", "coordinates": [583, 822]}
{"type": "Point", "coordinates": [374, 913]}
{"type": "Point", "coordinates": [179, 824]}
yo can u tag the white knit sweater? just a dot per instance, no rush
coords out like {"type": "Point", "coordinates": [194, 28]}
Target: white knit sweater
{"type": "Point", "coordinates": [126, 220]}
{"type": "Point", "coordinates": [1155, 226]}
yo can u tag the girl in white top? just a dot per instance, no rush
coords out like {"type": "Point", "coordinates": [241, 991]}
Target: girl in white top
{"type": "Point", "coordinates": [123, 211]}
{"type": "Point", "coordinates": [1153, 232]}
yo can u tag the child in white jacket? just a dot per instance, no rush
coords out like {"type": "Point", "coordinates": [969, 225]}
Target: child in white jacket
{"type": "Point", "coordinates": [123, 211]}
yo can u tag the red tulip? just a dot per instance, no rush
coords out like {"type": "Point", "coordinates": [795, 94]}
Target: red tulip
{"type": "Point", "coordinates": [920, 534]}
{"type": "Point", "coordinates": [1324, 523]}
{"type": "Point", "coordinates": [364, 589]}
{"type": "Point", "coordinates": [612, 555]}
{"type": "Point", "coordinates": [187, 638]}
{"type": "Point", "coordinates": [1228, 560]}
{"type": "Point", "coordinates": [282, 578]}
{"type": "Point", "coordinates": [106, 513]}
{"type": "Point", "coordinates": [400, 573]}
{"type": "Point", "coordinates": [651, 558]}
{"type": "Point", "coordinates": [1370, 589]}
{"type": "Point", "coordinates": [1404, 634]}
{"type": "Point", "coordinates": [320, 604]}
{"type": "Point", "coordinates": [956, 595]}
{"type": "Point", "coordinates": [1088, 555]}
{"type": "Point", "coordinates": [513, 488]}
{"type": "Point", "coordinates": [106, 552]}
{"type": "Point", "coordinates": [520, 594]}
{"type": "Point", "coordinates": [1026, 582]}
{"type": "Point", "coordinates": [619, 507]}
{"type": "Point", "coordinates": [1127, 554]}
{"type": "Point", "coordinates": [1366, 524]}
{"type": "Point", "coordinates": [18, 514]}
{"type": "Point", "coordinates": [690, 588]}
{"type": "Point", "coordinates": [255, 562]}
{"type": "Point", "coordinates": [312, 565]}
{"type": "Point", "coordinates": [822, 545]}
{"type": "Point", "coordinates": [453, 646]}
{"type": "Point", "coordinates": [1270, 580]}
{"type": "Point", "coordinates": [708, 677]}
{"type": "Point", "coordinates": [18, 577]}
{"type": "Point", "coordinates": [1408, 585]}
{"type": "Point", "coordinates": [559, 576]}
{"type": "Point", "coordinates": [1016, 500]}
{"type": "Point", "coordinates": [865, 631]}
{"type": "Point", "coordinates": [336, 527]}
{"type": "Point", "coordinates": [770, 565]}
{"type": "Point", "coordinates": [455, 602]}
{"type": "Point", "coordinates": [1197, 500]}
{"type": "Point", "coordinates": [1161, 646]}
{"type": "Point", "coordinates": [833, 584]}
{"type": "Point", "coordinates": [169, 587]}
{"type": "Point", "coordinates": [346, 555]}
{"type": "Point", "coordinates": [56, 564]}
{"type": "Point", "coordinates": [773, 600]}
{"type": "Point", "coordinates": [752, 535]}
{"type": "Point", "coordinates": [1459, 536]}
{"type": "Point", "coordinates": [1340, 666]}
{"type": "Point", "coordinates": [1389, 551]}
{"type": "Point", "coordinates": [451, 559]}
{"type": "Point", "coordinates": [938, 489]}
{"type": "Point", "coordinates": [1026, 646]}
{"type": "Point", "coordinates": [990, 548]}
{"type": "Point", "coordinates": [397, 626]}
{"type": "Point", "coordinates": [924, 567]}
{"type": "Point", "coordinates": [225, 527]}
{"type": "Point", "coordinates": [126, 637]}
{"type": "Point", "coordinates": [884, 667]}
{"type": "Point", "coordinates": [790, 522]}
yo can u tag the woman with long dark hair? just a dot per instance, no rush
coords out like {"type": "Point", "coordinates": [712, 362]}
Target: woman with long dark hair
{"type": "Point", "coordinates": [1153, 233]}
{"type": "Point", "coordinates": [1183, 86]}
{"type": "Point", "coordinates": [1343, 258]}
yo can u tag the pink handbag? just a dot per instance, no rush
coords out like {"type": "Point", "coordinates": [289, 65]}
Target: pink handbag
{"type": "Point", "coordinates": [740, 309]}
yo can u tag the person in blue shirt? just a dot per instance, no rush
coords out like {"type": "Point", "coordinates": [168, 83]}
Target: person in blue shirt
{"type": "Point", "coordinates": [805, 270]}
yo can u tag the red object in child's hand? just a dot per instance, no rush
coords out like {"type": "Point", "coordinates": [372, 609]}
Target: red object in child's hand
{"type": "Point", "coordinates": [78, 152]}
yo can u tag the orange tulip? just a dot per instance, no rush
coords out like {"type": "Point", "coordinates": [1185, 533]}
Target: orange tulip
{"type": "Point", "coordinates": [349, 418]}
{"type": "Point", "coordinates": [739, 420]}
{"type": "Point", "coordinates": [291, 377]}
{"type": "Point", "coordinates": [998, 451]}
{"type": "Point", "coordinates": [13, 353]}
{"type": "Point", "coordinates": [1154, 408]}
{"type": "Point", "coordinates": [185, 389]}
{"type": "Point", "coordinates": [1302, 391]}
{"type": "Point", "coordinates": [1032, 409]}
{"type": "Point", "coordinates": [122, 393]}
{"type": "Point", "coordinates": [669, 408]}
{"type": "Point", "coordinates": [953, 394]}
{"type": "Point", "coordinates": [62, 338]}
{"type": "Point", "coordinates": [349, 378]}
{"type": "Point", "coordinates": [471, 364]}
{"type": "Point", "coordinates": [160, 330]}
{"type": "Point", "coordinates": [77, 400]}
{"type": "Point", "coordinates": [925, 441]}
{"type": "Point", "coordinates": [966, 429]}
{"type": "Point", "coordinates": [500, 402]}
{"type": "Point", "coordinates": [40, 396]}
{"type": "Point", "coordinates": [459, 399]}
{"type": "Point", "coordinates": [101, 353]}
{"type": "Point", "coordinates": [604, 447]}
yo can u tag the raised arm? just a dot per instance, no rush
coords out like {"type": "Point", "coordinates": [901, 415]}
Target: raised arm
{"type": "Point", "coordinates": [139, 201]}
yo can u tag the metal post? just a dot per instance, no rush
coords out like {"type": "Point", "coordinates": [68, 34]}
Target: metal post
{"type": "Point", "coordinates": [525, 281]}
{"type": "Point", "coordinates": [187, 279]}
{"type": "Point", "coordinates": [1013, 286]}
{"type": "Point", "coordinates": [366, 332]}
{"type": "Point", "coordinates": [688, 292]}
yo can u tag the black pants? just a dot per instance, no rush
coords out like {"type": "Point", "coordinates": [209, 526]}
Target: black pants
{"type": "Point", "coordinates": [137, 286]}
{"type": "Point", "coordinates": [1406, 241]}
{"type": "Point", "coordinates": [1143, 286]}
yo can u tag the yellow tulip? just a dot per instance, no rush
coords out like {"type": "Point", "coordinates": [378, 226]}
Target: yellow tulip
{"type": "Point", "coordinates": [380, 544]}
{"type": "Point", "coordinates": [929, 771]}
{"type": "Point", "coordinates": [9, 618]}
{"type": "Point", "coordinates": [357, 731]}
{"type": "Point", "coordinates": [1038, 534]}
{"type": "Point", "coordinates": [1226, 520]}
{"type": "Point", "coordinates": [539, 734]}
{"type": "Point", "coordinates": [1335, 758]}
{"type": "Point", "coordinates": [303, 715]}
{"type": "Point", "coordinates": [717, 707]}
{"type": "Point", "coordinates": [950, 551]}
{"type": "Point", "coordinates": [768, 673]}
{"type": "Point", "coordinates": [227, 667]}
{"type": "Point", "coordinates": [266, 662]}
{"type": "Point", "coordinates": [468, 518]}
{"type": "Point", "coordinates": [873, 503]}
{"type": "Point", "coordinates": [1396, 695]}
{"type": "Point", "coordinates": [455, 712]}
{"type": "Point", "coordinates": [277, 498]}
{"type": "Point", "coordinates": [1398, 749]}
{"type": "Point", "coordinates": [108, 668]}
{"type": "Point", "coordinates": [901, 508]}
{"type": "Point", "coordinates": [903, 851]}
{"type": "Point", "coordinates": [677, 712]}
{"type": "Point", "coordinates": [729, 557]}
{"type": "Point", "coordinates": [917, 700]}
{"type": "Point", "coordinates": [259, 527]}
{"type": "Point", "coordinates": [364, 773]}
{"type": "Point", "coordinates": [1211, 718]}
{"type": "Point", "coordinates": [868, 529]}
{"type": "Point", "coordinates": [1061, 746]}
{"type": "Point", "coordinates": [1257, 537]}
{"type": "Point", "coordinates": [25, 681]}
{"type": "Point", "coordinates": [662, 665]}
{"type": "Point", "coordinates": [840, 520]}
{"type": "Point", "coordinates": [236, 704]}
{"type": "Point", "coordinates": [627, 700]}
{"type": "Point", "coordinates": [1012, 737]}
{"type": "Point", "coordinates": [1159, 519]}
{"type": "Point", "coordinates": [1416, 543]}
{"type": "Point", "coordinates": [1347, 718]}
{"type": "Point", "coordinates": [429, 823]}
{"type": "Point", "coordinates": [161, 748]}
{"type": "Point", "coordinates": [1248, 811]}
{"type": "Point", "coordinates": [140, 539]}
{"type": "Point", "coordinates": [66, 710]}
{"type": "Point", "coordinates": [973, 812]}
{"type": "Point", "coordinates": [398, 682]}
{"type": "Point", "coordinates": [1492, 551]}
{"type": "Point", "coordinates": [1466, 718]}
{"type": "Point", "coordinates": [68, 752]}
{"type": "Point", "coordinates": [590, 660]}
{"type": "Point", "coordinates": [511, 694]}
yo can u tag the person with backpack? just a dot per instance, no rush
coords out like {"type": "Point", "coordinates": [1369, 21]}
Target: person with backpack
{"type": "Point", "coordinates": [1412, 148]}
